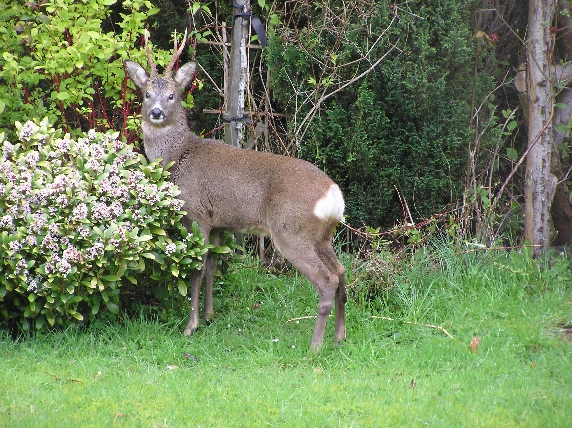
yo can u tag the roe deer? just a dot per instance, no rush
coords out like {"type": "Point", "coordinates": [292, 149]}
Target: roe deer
{"type": "Point", "coordinates": [226, 188]}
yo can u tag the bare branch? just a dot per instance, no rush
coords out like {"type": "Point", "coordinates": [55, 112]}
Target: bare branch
{"type": "Point", "coordinates": [306, 122]}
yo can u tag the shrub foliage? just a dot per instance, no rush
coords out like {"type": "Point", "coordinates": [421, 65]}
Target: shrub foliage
{"type": "Point", "coordinates": [405, 124]}
{"type": "Point", "coordinates": [80, 217]}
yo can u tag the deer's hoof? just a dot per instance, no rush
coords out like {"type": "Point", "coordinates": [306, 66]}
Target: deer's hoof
{"type": "Point", "coordinates": [315, 348]}
{"type": "Point", "coordinates": [189, 331]}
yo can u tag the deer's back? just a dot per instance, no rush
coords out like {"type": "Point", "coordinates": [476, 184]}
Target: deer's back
{"type": "Point", "coordinates": [242, 189]}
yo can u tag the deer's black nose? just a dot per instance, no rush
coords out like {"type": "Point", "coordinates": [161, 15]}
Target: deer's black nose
{"type": "Point", "coordinates": [156, 114]}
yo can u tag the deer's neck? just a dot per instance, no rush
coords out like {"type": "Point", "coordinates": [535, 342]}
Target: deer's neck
{"type": "Point", "coordinates": [165, 141]}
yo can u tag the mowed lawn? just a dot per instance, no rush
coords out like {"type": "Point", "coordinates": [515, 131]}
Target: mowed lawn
{"type": "Point", "coordinates": [251, 367]}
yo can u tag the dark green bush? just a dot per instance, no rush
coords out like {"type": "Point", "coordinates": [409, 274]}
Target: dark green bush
{"type": "Point", "coordinates": [406, 124]}
{"type": "Point", "coordinates": [79, 218]}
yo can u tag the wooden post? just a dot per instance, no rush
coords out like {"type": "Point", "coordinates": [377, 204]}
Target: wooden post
{"type": "Point", "coordinates": [225, 61]}
{"type": "Point", "coordinates": [233, 129]}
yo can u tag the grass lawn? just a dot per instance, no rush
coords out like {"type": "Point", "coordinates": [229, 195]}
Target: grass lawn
{"type": "Point", "coordinates": [251, 367]}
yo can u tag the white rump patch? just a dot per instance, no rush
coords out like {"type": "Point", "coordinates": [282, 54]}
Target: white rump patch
{"type": "Point", "coordinates": [331, 206]}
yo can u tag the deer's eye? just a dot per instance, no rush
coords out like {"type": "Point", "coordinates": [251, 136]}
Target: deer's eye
{"type": "Point", "coordinates": [171, 97]}
{"type": "Point", "coordinates": [147, 95]}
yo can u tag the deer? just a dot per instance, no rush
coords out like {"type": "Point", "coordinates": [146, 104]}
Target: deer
{"type": "Point", "coordinates": [246, 191]}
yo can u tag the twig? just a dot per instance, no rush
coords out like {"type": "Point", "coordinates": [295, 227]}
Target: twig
{"type": "Point", "coordinates": [301, 318]}
{"type": "Point", "coordinates": [303, 127]}
{"type": "Point", "coordinates": [414, 323]}
{"type": "Point", "coordinates": [382, 318]}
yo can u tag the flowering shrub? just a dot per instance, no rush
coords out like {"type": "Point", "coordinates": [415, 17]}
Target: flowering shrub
{"type": "Point", "coordinates": [78, 218]}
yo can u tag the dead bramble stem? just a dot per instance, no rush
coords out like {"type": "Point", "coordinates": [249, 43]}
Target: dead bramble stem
{"type": "Point", "coordinates": [383, 318]}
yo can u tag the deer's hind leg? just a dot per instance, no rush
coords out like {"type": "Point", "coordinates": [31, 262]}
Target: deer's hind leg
{"type": "Point", "coordinates": [307, 260]}
{"type": "Point", "coordinates": [330, 259]}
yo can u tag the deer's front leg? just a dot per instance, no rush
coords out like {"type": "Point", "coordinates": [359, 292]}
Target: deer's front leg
{"type": "Point", "coordinates": [193, 323]}
{"type": "Point", "coordinates": [210, 269]}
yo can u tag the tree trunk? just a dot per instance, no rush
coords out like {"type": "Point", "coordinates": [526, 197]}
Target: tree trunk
{"type": "Point", "coordinates": [540, 182]}
{"type": "Point", "coordinates": [561, 209]}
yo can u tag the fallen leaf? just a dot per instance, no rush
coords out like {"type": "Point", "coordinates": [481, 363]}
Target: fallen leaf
{"type": "Point", "coordinates": [172, 367]}
{"type": "Point", "coordinates": [474, 346]}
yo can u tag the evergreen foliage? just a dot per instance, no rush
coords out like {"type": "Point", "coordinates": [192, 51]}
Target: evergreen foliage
{"type": "Point", "coordinates": [406, 124]}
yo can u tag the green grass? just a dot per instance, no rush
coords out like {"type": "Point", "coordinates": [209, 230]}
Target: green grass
{"type": "Point", "coordinates": [250, 367]}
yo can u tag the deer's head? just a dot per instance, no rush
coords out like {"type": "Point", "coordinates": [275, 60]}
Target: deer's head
{"type": "Point", "coordinates": [161, 93]}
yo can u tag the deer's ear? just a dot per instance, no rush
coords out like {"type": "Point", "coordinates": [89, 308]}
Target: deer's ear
{"type": "Point", "coordinates": [136, 73]}
{"type": "Point", "coordinates": [186, 74]}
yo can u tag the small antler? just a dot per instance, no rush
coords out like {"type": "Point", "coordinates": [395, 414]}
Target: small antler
{"type": "Point", "coordinates": [149, 57]}
{"type": "Point", "coordinates": [176, 53]}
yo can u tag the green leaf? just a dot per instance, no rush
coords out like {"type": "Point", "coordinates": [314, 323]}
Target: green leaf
{"type": "Point", "coordinates": [151, 256]}
{"type": "Point", "coordinates": [39, 323]}
{"type": "Point", "coordinates": [51, 318]}
{"type": "Point", "coordinates": [182, 286]}
{"type": "Point", "coordinates": [62, 96]}
{"type": "Point", "coordinates": [512, 154]}
{"type": "Point", "coordinates": [206, 9]}
{"type": "Point", "coordinates": [562, 106]}
{"type": "Point", "coordinates": [112, 307]}
{"type": "Point", "coordinates": [195, 228]}
{"type": "Point", "coordinates": [223, 249]}
{"type": "Point", "coordinates": [562, 128]}
{"type": "Point", "coordinates": [195, 7]}
{"type": "Point", "coordinates": [76, 315]}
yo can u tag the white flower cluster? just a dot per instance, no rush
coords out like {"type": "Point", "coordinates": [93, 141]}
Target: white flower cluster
{"type": "Point", "coordinates": [170, 248]}
{"type": "Point", "coordinates": [96, 251]}
{"type": "Point", "coordinates": [29, 129]}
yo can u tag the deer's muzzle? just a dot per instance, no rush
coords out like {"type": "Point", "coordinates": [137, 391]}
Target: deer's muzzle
{"type": "Point", "coordinates": [156, 115]}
